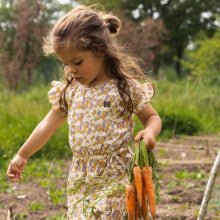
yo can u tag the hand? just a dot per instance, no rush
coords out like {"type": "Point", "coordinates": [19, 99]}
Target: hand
{"type": "Point", "coordinates": [148, 136]}
{"type": "Point", "coordinates": [16, 168]}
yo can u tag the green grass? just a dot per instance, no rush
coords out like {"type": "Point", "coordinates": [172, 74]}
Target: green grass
{"type": "Point", "coordinates": [195, 175]}
{"type": "Point", "coordinates": [20, 113]}
{"type": "Point", "coordinates": [185, 107]}
{"type": "Point", "coordinates": [35, 206]}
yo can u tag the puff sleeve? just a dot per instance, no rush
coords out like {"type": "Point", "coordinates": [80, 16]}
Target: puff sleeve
{"type": "Point", "coordinates": [141, 94]}
{"type": "Point", "coordinates": [54, 96]}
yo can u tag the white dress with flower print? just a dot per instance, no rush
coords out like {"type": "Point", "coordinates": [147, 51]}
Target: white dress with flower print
{"type": "Point", "coordinates": [99, 137]}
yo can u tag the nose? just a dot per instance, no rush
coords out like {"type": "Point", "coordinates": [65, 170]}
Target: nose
{"type": "Point", "coordinates": [72, 69]}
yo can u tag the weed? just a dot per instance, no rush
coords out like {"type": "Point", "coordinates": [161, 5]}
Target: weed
{"type": "Point", "coordinates": [44, 182]}
{"type": "Point", "coordinates": [196, 213]}
{"type": "Point", "coordinates": [162, 152]}
{"type": "Point", "coordinates": [184, 206]}
{"type": "Point", "coordinates": [57, 217]}
{"type": "Point", "coordinates": [57, 195]}
{"type": "Point", "coordinates": [196, 175]}
{"type": "Point", "coordinates": [189, 185]}
{"type": "Point", "coordinates": [175, 199]}
{"type": "Point", "coordinates": [164, 163]}
{"type": "Point", "coordinates": [39, 168]}
{"type": "Point", "coordinates": [20, 216]}
{"type": "Point", "coordinates": [35, 206]}
{"type": "Point", "coordinates": [173, 184]}
{"type": "Point", "coordinates": [199, 189]}
{"type": "Point", "coordinates": [2, 205]}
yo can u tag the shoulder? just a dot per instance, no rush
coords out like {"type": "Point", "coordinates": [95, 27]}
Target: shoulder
{"type": "Point", "coordinates": [58, 86]}
{"type": "Point", "coordinates": [137, 87]}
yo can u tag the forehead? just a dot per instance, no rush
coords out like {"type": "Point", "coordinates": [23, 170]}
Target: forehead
{"type": "Point", "coordinates": [68, 54]}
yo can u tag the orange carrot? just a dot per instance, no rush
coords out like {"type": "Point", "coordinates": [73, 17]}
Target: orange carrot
{"type": "Point", "coordinates": [147, 175]}
{"type": "Point", "coordinates": [136, 212]}
{"type": "Point", "coordinates": [130, 201]}
{"type": "Point", "coordinates": [144, 204]}
{"type": "Point", "coordinates": [138, 182]}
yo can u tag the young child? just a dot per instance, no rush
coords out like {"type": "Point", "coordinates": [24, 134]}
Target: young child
{"type": "Point", "coordinates": [98, 96]}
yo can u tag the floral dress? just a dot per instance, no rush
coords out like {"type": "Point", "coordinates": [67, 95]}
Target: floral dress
{"type": "Point", "coordinates": [99, 137]}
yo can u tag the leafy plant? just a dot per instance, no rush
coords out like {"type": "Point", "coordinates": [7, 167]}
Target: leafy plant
{"type": "Point", "coordinates": [173, 184]}
{"type": "Point", "coordinates": [56, 195]}
{"type": "Point", "coordinates": [57, 217]}
{"type": "Point", "coordinates": [20, 216]}
{"type": "Point", "coordinates": [35, 206]}
{"type": "Point", "coordinates": [196, 175]}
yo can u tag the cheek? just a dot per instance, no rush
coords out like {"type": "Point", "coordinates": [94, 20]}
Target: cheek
{"type": "Point", "coordinates": [89, 69]}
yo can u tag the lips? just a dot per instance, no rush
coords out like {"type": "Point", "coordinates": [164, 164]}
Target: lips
{"type": "Point", "coordinates": [77, 78]}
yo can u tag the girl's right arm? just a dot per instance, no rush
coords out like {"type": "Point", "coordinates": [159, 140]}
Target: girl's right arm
{"type": "Point", "coordinates": [37, 139]}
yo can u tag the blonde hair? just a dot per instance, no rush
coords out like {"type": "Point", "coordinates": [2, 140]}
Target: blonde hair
{"type": "Point", "coordinates": [88, 30]}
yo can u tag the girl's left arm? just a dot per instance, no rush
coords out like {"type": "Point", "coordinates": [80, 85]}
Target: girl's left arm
{"type": "Point", "coordinates": [152, 126]}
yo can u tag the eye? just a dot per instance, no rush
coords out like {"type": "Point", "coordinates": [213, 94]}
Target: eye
{"type": "Point", "coordinates": [79, 63]}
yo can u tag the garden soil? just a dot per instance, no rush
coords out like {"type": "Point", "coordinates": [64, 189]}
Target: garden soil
{"type": "Point", "coordinates": [185, 165]}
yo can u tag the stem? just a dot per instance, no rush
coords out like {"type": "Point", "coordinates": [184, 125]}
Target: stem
{"type": "Point", "coordinates": [144, 152]}
{"type": "Point", "coordinates": [101, 190]}
{"type": "Point", "coordinates": [76, 188]}
{"type": "Point", "coordinates": [99, 177]}
{"type": "Point", "coordinates": [101, 197]}
{"type": "Point", "coordinates": [136, 155]}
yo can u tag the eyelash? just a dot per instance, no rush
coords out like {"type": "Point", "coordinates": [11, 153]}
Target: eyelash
{"type": "Point", "coordinates": [78, 63]}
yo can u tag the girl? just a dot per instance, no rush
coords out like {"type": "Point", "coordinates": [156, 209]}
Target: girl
{"type": "Point", "coordinates": [98, 96]}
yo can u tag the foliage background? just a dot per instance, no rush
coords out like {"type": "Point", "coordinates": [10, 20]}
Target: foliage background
{"type": "Point", "coordinates": [187, 101]}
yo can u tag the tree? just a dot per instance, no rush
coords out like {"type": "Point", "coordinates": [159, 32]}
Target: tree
{"type": "Point", "coordinates": [18, 61]}
{"type": "Point", "coordinates": [23, 23]}
{"type": "Point", "coordinates": [183, 19]}
{"type": "Point", "coordinates": [203, 60]}
{"type": "Point", "coordinates": [144, 39]}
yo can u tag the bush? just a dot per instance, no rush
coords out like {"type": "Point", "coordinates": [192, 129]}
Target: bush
{"type": "Point", "coordinates": [20, 113]}
{"type": "Point", "coordinates": [203, 61]}
{"type": "Point", "coordinates": [185, 107]}
{"type": "Point", "coordinates": [179, 124]}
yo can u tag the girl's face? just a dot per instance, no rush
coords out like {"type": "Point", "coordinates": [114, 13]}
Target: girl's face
{"type": "Point", "coordinates": [84, 66]}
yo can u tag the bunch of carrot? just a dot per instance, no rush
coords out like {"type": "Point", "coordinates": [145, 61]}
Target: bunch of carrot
{"type": "Point", "coordinates": [140, 190]}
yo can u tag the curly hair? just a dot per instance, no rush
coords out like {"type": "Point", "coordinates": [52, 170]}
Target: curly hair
{"type": "Point", "coordinates": [88, 30]}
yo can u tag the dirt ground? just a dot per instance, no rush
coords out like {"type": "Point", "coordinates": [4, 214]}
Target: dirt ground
{"type": "Point", "coordinates": [186, 162]}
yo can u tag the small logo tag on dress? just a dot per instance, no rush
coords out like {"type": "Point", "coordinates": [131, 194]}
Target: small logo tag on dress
{"type": "Point", "coordinates": [107, 104]}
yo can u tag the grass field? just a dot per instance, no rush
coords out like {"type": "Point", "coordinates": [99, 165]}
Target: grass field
{"type": "Point", "coordinates": [185, 107]}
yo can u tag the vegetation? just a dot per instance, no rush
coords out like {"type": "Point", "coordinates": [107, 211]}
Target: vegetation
{"type": "Point", "coordinates": [182, 20]}
{"type": "Point", "coordinates": [185, 108]}
{"type": "Point", "coordinates": [203, 60]}
{"type": "Point", "coordinates": [187, 105]}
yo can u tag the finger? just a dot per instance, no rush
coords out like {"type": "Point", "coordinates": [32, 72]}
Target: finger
{"type": "Point", "coordinates": [10, 175]}
{"type": "Point", "coordinates": [138, 136]}
{"type": "Point", "coordinates": [13, 178]}
{"type": "Point", "coordinates": [16, 179]}
{"type": "Point", "coordinates": [9, 170]}
{"type": "Point", "coordinates": [20, 176]}
{"type": "Point", "coordinates": [146, 142]}
{"type": "Point", "coordinates": [149, 145]}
